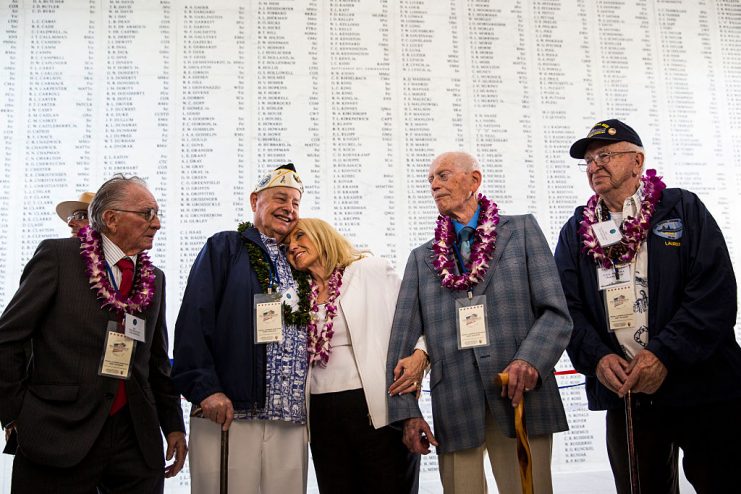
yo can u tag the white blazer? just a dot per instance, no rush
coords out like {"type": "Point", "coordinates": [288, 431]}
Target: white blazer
{"type": "Point", "coordinates": [368, 296]}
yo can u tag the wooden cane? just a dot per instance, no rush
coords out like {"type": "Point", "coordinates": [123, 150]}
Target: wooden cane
{"type": "Point", "coordinates": [224, 463]}
{"type": "Point", "coordinates": [224, 459]}
{"type": "Point", "coordinates": [635, 486]}
{"type": "Point", "coordinates": [524, 456]}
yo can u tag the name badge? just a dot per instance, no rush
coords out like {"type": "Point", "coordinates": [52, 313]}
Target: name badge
{"type": "Point", "coordinates": [268, 319]}
{"type": "Point", "coordinates": [619, 301]}
{"type": "Point", "coordinates": [471, 322]}
{"type": "Point", "coordinates": [135, 327]}
{"type": "Point", "coordinates": [607, 277]}
{"type": "Point", "coordinates": [117, 352]}
{"type": "Point", "coordinates": [607, 233]}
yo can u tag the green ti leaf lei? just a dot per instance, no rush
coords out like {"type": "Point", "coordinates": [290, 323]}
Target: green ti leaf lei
{"type": "Point", "coordinates": [260, 265]}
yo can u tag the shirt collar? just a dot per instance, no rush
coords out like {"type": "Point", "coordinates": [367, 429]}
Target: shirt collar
{"type": "Point", "coordinates": [270, 243]}
{"type": "Point", "coordinates": [113, 252]}
{"type": "Point", "coordinates": [473, 223]}
{"type": "Point", "coordinates": [632, 204]}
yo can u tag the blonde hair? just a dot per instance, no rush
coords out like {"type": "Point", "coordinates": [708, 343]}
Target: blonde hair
{"type": "Point", "coordinates": [334, 249]}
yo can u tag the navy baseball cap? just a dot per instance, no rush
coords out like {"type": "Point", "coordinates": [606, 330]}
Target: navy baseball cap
{"type": "Point", "coordinates": [612, 130]}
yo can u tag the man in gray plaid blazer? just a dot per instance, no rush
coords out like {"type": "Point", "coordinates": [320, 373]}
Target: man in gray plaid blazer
{"type": "Point", "coordinates": [487, 301]}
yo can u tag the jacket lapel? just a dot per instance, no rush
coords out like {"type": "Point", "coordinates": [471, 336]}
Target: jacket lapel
{"type": "Point", "coordinates": [430, 255]}
{"type": "Point", "coordinates": [504, 232]}
{"type": "Point", "coordinates": [353, 308]}
{"type": "Point", "coordinates": [253, 236]}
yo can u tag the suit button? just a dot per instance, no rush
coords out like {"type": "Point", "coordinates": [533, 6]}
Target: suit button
{"type": "Point", "coordinates": [108, 396]}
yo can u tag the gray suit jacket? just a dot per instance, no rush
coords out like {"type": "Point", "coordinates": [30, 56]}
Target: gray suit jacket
{"type": "Point", "coordinates": [527, 319]}
{"type": "Point", "coordinates": [60, 403]}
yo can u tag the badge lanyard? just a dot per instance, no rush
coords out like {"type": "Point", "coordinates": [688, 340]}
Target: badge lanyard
{"type": "Point", "coordinates": [115, 360]}
{"type": "Point", "coordinates": [110, 275]}
{"type": "Point", "coordinates": [459, 259]}
{"type": "Point", "coordinates": [471, 322]}
{"type": "Point", "coordinates": [274, 278]}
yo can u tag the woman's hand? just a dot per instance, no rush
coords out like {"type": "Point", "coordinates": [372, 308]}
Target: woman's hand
{"type": "Point", "coordinates": [408, 374]}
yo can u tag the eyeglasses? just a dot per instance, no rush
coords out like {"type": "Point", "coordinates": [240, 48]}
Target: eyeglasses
{"type": "Point", "coordinates": [80, 215]}
{"type": "Point", "coordinates": [601, 159]}
{"type": "Point", "coordinates": [148, 214]}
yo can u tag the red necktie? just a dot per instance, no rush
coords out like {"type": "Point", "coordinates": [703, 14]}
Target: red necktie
{"type": "Point", "coordinates": [126, 266]}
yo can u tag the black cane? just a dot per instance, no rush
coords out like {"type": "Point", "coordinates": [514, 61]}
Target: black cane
{"type": "Point", "coordinates": [635, 486]}
{"type": "Point", "coordinates": [224, 465]}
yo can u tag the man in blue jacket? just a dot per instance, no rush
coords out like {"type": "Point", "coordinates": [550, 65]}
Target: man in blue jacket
{"type": "Point", "coordinates": [240, 354]}
{"type": "Point", "coordinates": [650, 287]}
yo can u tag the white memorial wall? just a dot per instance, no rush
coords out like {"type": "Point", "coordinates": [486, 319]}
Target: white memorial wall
{"type": "Point", "coordinates": [201, 98]}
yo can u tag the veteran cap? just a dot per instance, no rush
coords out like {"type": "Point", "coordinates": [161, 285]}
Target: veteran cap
{"type": "Point", "coordinates": [612, 130]}
{"type": "Point", "coordinates": [283, 176]}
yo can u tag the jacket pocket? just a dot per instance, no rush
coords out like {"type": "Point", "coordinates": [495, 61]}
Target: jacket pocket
{"type": "Point", "coordinates": [55, 392]}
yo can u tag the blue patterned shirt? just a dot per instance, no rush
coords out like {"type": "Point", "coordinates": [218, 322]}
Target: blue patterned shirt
{"type": "Point", "coordinates": [287, 362]}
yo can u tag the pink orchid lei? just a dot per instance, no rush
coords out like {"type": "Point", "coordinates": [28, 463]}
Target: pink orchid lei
{"type": "Point", "coordinates": [142, 293]}
{"type": "Point", "coordinates": [635, 229]}
{"type": "Point", "coordinates": [485, 237]}
{"type": "Point", "coordinates": [319, 346]}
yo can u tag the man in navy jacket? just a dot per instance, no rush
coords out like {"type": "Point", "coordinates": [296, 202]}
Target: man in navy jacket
{"type": "Point", "coordinates": [223, 365]}
{"type": "Point", "coordinates": [661, 252]}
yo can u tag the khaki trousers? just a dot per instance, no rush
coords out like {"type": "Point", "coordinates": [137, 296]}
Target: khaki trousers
{"type": "Point", "coordinates": [265, 457]}
{"type": "Point", "coordinates": [462, 472]}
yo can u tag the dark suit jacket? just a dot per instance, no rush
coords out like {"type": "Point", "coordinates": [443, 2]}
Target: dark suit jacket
{"type": "Point", "coordinates": [527, 319]}
{"type": "Point", "coordinates": [59, 402]}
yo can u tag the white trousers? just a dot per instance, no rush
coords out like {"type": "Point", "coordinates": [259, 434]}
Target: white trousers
{"type": "Point", "coordinates": [265, 457]}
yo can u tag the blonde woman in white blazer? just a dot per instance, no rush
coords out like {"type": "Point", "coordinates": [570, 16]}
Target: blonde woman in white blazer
{"type": "Point", "coordinates": [353, 299]}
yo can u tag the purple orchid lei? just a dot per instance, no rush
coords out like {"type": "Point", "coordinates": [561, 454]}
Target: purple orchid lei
{"type": "Point", "coordinates": [635, 229]}
{"type": "Point", "coordinates": [485, 237]}
{"type": "Point", "coordinates": [142, 293]}
{"type": "Point", "coordinates": [319, 346]}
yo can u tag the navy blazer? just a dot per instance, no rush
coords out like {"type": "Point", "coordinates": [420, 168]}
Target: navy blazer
{"type": "Point", "coordinates": [691, 310]}
{"type": "Point", "coordinates": [214, 335]}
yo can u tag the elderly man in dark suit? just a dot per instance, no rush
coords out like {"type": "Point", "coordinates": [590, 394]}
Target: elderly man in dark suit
{"type": "Point", "coordinates": [88, 407]}
{"type": "Point", "coordinates": [486, 295]}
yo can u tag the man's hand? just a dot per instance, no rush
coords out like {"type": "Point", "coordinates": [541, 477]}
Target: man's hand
{"type": "Point", "coordinates": [408, 374]}
{"type": "Point", "coordinates": [9, 430]}
{"type": "Point", "coordinates": [218, 408]}
{"type": "Point", "coordinates": [177, 446]}
{"type": "Point", "coordinates": [612, 371]}
{"type": "Point", "coordinates": [418, 436]}
{"type": "Point", "coordinates": [646, 374]}
{"type": "Point", "coordinates": [522, 377]}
